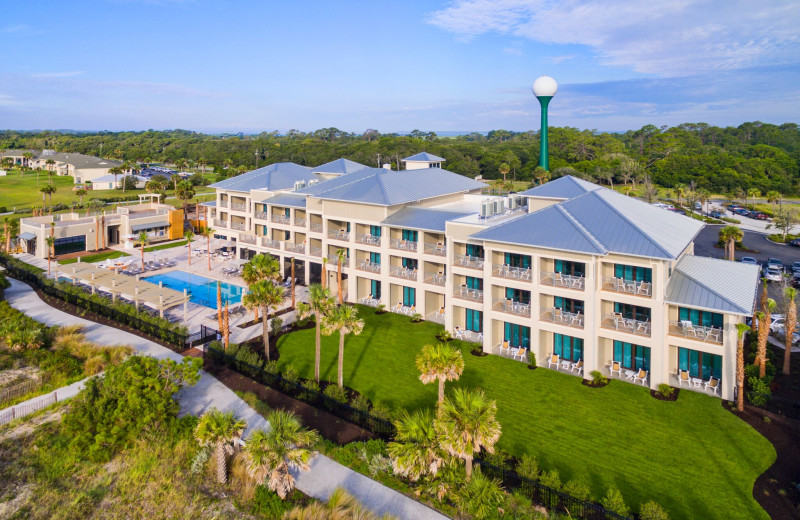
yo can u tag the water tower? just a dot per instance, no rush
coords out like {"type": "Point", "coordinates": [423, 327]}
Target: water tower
{"type": "Point", "coordinates": [544, 89]}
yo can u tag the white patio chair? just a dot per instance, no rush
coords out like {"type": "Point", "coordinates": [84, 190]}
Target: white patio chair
{"type": "Point", "coordinates": [578, 365]}
{"type": "Point", "coordinates": [644, 288]}
{"type": "Point", "coordinates": [644, 327]}
{"type": "Point", "coordinates": [504, 346]}
{"type": "Point", "coordinates": [688, 328]}
{"type": "Point", "coordinates": [683, 377]}
{"type": "Point", "coordinates": [520, 353]}
{"type": "Point", "coordinates": [712, 384]}
{"type": "Point", "coordinates": [440, 313]}
{"type": "Point", "coordinates": [458, 334]}
{"type": "Point", "coordinates": [640, 376]}
{"type": "Point", "coordinates": [577, 320]}
{"type": "Point", "coordinates": [553, 361]}
{"type": "Point", "coordinates": [558, 280]}
{"type": "Point", "coordinates": [398, 307]}
{"type": "Point", "coordinates": [616, 366]}
{"type": "Point", "coordinates": [715, 334]}
{"type": "Point", "coordinates": [526, 274]}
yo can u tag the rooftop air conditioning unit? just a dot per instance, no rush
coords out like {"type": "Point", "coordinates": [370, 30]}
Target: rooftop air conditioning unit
{"type": "Point", "coordinates": [487, 209]}
{"type": "Point", "coordinates": [313, 182]}
{"type": "Point", "coordinates": [499, 206]}
{"type": "Point", "coordinates": [512, 203]}
{"type": "Point", "coordinates": [299, 185]}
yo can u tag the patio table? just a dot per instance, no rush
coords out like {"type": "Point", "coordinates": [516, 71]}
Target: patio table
{"type": "Point", "coordinates": [629, 374]}
{"type": "Point", "coordinates": [697, 382]}
{"type": "Point", "coordinates": [565, 364]}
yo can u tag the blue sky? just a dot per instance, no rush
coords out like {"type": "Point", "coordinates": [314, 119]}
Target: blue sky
{"type": "Point", "coordinates": [462, 65]}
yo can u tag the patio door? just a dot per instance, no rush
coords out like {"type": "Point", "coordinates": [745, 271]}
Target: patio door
{"type": "Point", "coordinates": [474, 321]}
{"type": "Point", "coordinates": [517, 335]}
{"type": "Point", "coordinates": [375, 287]}
{"type": "Point", "coordinates": [515, 260]}
{"type": "Point", "coordinates": [375, 231]}
{"type": "Point", "coordinates": [567, 304]}
{"type": "Point", "coordinates": [632, 356]}
{"type": "Point", "coordinates": [567, 347]}
{"type": "Point", "coordinates": [375, 258]}
{"type": "Point", "coordinates": [409, 296]}
{"type": "Point", "coordinates": [700, 364]}
{"type": "Point", "coordinates": [518, 295]}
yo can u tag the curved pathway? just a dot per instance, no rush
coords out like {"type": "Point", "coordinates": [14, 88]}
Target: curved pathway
{"type": "Point", "coordinates": [325, 475]}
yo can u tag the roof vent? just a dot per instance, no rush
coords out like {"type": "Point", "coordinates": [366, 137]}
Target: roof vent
{"type": "Point", "coordinates": [487, 209]}
{"type": "Point", "coordinates": [299, 185]}
{"type": "Point", "coordinates": [387, 166]}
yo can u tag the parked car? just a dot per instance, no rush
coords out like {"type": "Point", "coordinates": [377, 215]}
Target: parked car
{"type": "Point", "coordinates": [715, 214]}
{"type": "Point", "coordinates": [796, 279]}
{"type": "Point", "coordinates": [761, 216]}
{"type": "Point", "coordinates": [749, 260]}
{"type": "Point", "coordinates": [775, 263]}
{"type": "Point", "coordinates": [733, 207]}
{"type": "Point", "coordinates": [795, 267]}
{"type": "Point", "coordinates": [795, 242]}
{"type": "Point", "coordinates": [741, 211]}
{"type": "Point", "coordinates": [698, 205]}
{"type": "Point", "coordinates": [677, 210]}
{"type": "Point", "coordinates": [772, 274]}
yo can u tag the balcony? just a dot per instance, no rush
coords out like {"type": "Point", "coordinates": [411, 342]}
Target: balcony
{"type": "Point", "coordinates": [473, 262]}
{"type": "Point", "coordinates": [366, 265]}
{"type": "Point", "coordinates": [687, 329]}
{"type": "Point", "coordinates": [333, 261]}
{"type": "Point", "coordinates": [315, 251]}
{"type": "Point", "coordinates": [300, 221]}
{"type": "Point", "coordinates": [403, 272]}
{"type": "Point", "coordinates": [281, 219]}
{"type": "Point", "coordinates": [403, 245]}
{"type": "Point", "coordinates": [272, 244]}
{"type": "Point", "coordinates": [296, 248]}
{"type": "Point", "coordinates": [262, 215]}
{"type": "Point", "coordinates": [370, 240]}
{"type": "Point", "coordinates": [621, 285]}
{"type": "Point", "coordinates": [222, 204]}
{"type": "Point", "coordinates": [239, 226]}
{"type": "Point", "coordinates": [248, 239]}
{"type": "Point", "coordinates": [567, 281]}
{"type": "Point", "coordinates": [511, 307]}
{"type": "Point", "coordinates": [631, 326]}
{"type": "Point", "coordinates": [556, 315]}
{"type": "Point", "coordinates": [438, 278]}
{"type": "Point", "coordinates": [438, 249]}
{"type": "Point", "coordinates": [220, 223]}
{"type": "Point", "coordinates": [236, 206]}
{"type": "Point", "coordinates": [316, 227]}
{"type": "Point", "coordinates": [512, 273]}
{"type": "Point", "coordinates": [338, 234]}
{"type": "Point", "coordinates": [465, 293]}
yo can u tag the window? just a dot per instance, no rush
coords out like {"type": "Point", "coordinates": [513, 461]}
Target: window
{"type": "Point", "coordinates": [286, 235]}
{"type": "Point", "coordinates": [632, 312]}
{"type": "Point", "coordinates": [375, 258]}
{"type": "Point", "coordinates": [567, 347]}
{"type": "Point", "coordinates": [410, 235]}
{"type": "Point", "coordinates": [571, 268]}
{"type": "Point", "coordinates": [409, 296]}
{"type": "Point", "coordinates": [286, 212]}
{"type": "Point", "coordinates": [375, 231]}
{"type": "Point", "coordinates": [475, 250]}
{"type": "Point", "coordinates": [517, 335]}
{"type": "Point", "coordinates": [698, 317]}
{"type": "Point", "coordinates": [410, 263]}
{"type": "Point", "coordinates": [632, 356]}
{"type": "Point", "coordinates": [518, 295]}
{"type": "Point", "coordinates": [631, 272]}
{"type": "Point", "coordinates": [474, 283]}
{"type": "Point", "coordinates": [700, 364]}
{"type": "Point", "coordinates": [568, 304]}
{"type": "Point", "coordinates": [515, 260]}
{"type": "Point", "coordinates": [474, 321]}
{"type": "Point", "coordinates": [375, 289]}
{"type": "Point", "coordinates": [347, 226]}
{"type": "Point", "coordinates": [62, 246]}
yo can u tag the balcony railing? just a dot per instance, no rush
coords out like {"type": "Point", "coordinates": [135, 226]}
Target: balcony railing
{"type": "Point", "coordinates": [403, 272]}
{"type": "Point", "coordinates": [465, 293]}
{"type": "Point", "coordinates": [473, 262]}
{"type": "Point", "coordinates": [296, 248]}
{"type": "Point", "coordinates": [220, 223]}
{"type": "Point", "coordinates": [404, 245]}
{"type": "Point", "coordinates": [248, 239]}
{"type": "Point", "coordinates": [366, 265]}
{"type": "Point", "coordinates": [687, 329]}
{"type": "Point", "coordinates": [511, 307]}
{"type": "Point", "coordinates": [316, 227]}
{"type": "Point", "coordinates": [333, 261]}
{"type": "Point", "coordinates": [511, 272]}
{"type": "Point", "coordinates": [612, 283]}
{"type": "Point", "coordinates": [562, 280]}
{"type": "Point", "coordinates": [630, 325]}
{"type": "Point", "coordinates": [437, 278]}
{"type": "Point", "coordinates": [315, 251]}
{"type": "Point", "coordinates": [370, 240]}
{"type": "Point", "coordinates": [300, 221]}
{"type": "Point", "coordinates": [263, 215]}
{"type": "Point", "coordinates": [556, 315]}
{"type": "Point", "coordinates": [338, 234]}
{"type": "Point", "coordinates": [238, 226]}
{"type": "Point", "coordinates": [237, 206]}
{"type": "Point", "coordinates": [281, 219]}
{"type": "Point", "coordinates": [222, 204]}
{"type": "Point", "coordinates": [272, 244]}
{"type": "Point", "coordinates": [438, 249]}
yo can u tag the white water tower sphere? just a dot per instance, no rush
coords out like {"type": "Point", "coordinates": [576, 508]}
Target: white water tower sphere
{"type": "Point", "coordinates": [545, 86]}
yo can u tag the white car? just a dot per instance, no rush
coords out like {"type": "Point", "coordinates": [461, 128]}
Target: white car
{"type": "Point", "coordinates": [749, 260]}
{"type": "Point", "coordinates": [772, 274]}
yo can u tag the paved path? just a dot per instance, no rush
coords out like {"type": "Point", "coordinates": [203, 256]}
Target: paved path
{"type": "Point", "coordinates": [325, 475]}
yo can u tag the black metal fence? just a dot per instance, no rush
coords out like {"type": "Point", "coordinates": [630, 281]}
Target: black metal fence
{"type": "Point", "coordinates": [783, 406]}
{"type": "Point", "coordinates": [205, 335]}
{"type": "Point", "coordinates": [380, 427]}
{"type": "Point", "coordinates": [552, 499]}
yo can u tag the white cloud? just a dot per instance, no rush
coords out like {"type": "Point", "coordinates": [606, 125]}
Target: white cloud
{"type": "Point", "coordinates": [513, 50]}
{"type": "Point", "coordinates": [67, 74]}
{"type": "Point", "coordinates": [560, 59]}
{"type": "Point", "coordinates": [670, 37]}
{"type": "Point", "coordinates": [14, 29]}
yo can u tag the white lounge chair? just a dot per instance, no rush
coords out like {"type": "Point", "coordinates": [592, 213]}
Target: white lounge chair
{"type": "Point", "coordinates": [616, 366]}
{"type": "Point", "coordinates": [458, 334]}
{"type": "Point", "coordinates": [440, 313]}
{"type": "Point", "coordinates": [520, 352]}
{"type": "Point", "coordinates": [683, 377]}
{"type": "Point", "coordinates": [505, 346]}
{"type": "Point", "coordinates": [553, 361]}
{"type": "Point", "coordinates": [640, 376]}
{"type": "Point", "coordinates": [578, 365]}
{"type": "Point", "coordinates": [712, 384]}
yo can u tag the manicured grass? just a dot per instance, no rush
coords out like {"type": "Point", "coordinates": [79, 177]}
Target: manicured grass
{"type": "Point", "coordinates": [99, 257]}
{"type": "Point", "coordinates": [159, 247]}
{"type": "Point", "coordinates": [692, 456]}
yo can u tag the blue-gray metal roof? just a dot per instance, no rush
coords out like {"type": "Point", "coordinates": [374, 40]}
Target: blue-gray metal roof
{"type": "Point", "coordinates": [284, 199]}
{"type": "Point", "coordinates": [714, 284]}
{"type": "Point", "coordinates": [565, 187]}
{"type": "Point", "coordinates": [388, 187]}
{"type": "Point", "coordinates": [278, 176]}
{"type": "Point", "coordinates": [339, 167]}
{"type": "Point", "coordinates": [27, 235]}
{"type": "Point", "coordinates": [209, 203]}
{"type": "Point", "coordinates": [151, 225]}
{"type": "Point", "coordinates": [424, 157]}
{"type": "Point", "coordinates": [426, 219]}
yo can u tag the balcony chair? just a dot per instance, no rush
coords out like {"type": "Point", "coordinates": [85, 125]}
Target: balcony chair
{"type": "Point", "coordinates": [440, 313]}
{"type": "Point", "coordinates": [712, 384]}
{"type": "Point", "coordinates": [578, 365]}
{"type": "Point", "coordinates": [458, 334]}
{"type": "Point", "coordinates": [553, 361]}
{"type": "Point", "coordinates": [526, 274]}
{"type": "Point", "coordinates": [520, 352]}
{"type": "Point", "coordinates": [505, 346]}
{"type": "Point", "coordinates": [558, 280]}
{"type": "Point", "coordinates": [644, 327]}
{"type": "Point", "coordinates": [439, 248]}
{"type": "Point", "coordinates": [644, 288]}
{"type": "Point", "coordinates": [640, 376]}
{"type": "Point", "coordinates": [366, 298]}
{"type": "Point", "coordinates": [399, 307]}
{"type": "Point", "coordinates": [616, 366]}
{"type": "Point", "coordinates": [714, 334]}
{"type": "Point", "coordinates": [577, 320]}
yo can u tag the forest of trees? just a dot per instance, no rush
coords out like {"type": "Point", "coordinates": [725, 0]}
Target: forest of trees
{"type": "Point", "coordinates": [753, 155]}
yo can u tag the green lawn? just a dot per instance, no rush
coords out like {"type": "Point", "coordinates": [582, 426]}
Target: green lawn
{"type": "Point", "coordinates": [170, 245]}
{"type": "Point", "coordinates": [692, 456]}
{"type": "Point", "coordinates": [99, 257]}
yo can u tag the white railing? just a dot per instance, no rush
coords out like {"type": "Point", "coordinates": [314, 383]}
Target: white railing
{"type": "Point", "coordinates": [562, 280]}
{"type": "Point", "coordinates": [435, 278]}
{"type": "Point", "coordinates": [612, 283]}
{"type": "Point", "coordinates": [630, 325]}
{"type": "Point", "coordinates": [281, 219]}
{"type": "Point", "coordinates": [403, 272]}
{"type": "Point", "coordinates": [222, 204]}
{"type": "Point", "coordinates": [405, 245]}
{"type": "Point", "coordinates": [366, 265]}
{"type": "Point", "coordinates": [315, 251]}
{"type": "Point", "coordinates": [237, 206]}
{"type": "Point", "coordinates": [472, 262]}
{"type": "Point", "coordinates": [510, 306]}
{"type": "Point", "coordinates": [300, 221]}
{"type": "Point", "coordinates": [465, 293]}
{"type": "Point", "coordinates": [333, 261]}
{"type": "Point", "coordinates": [370, 240]}
{"type": "Point", "coordinates": [511, 272]}
{"type": "Point", "coordinates": [687, 329]}
{"type": "Point", "coordinates": [238, 226]}
{"type": "Point", "coordinates": [220, 223]}
{"type": "Point", "coordinates": [295, 248]}
{"type": "Point", "coordinates": [556, 315]}
{"type": "Point", "coordinates": [272, 244]}
{"type": "Point", "coordinates": [339, 234]}
{"type": "Point", "coordinates": [316, 227]}
{"type": "Point", "coordinates": [438, 249]}
{"type": "Point", "coordinates": [262, 215]}
{"type": "Point", "coordinates": [248, 239]}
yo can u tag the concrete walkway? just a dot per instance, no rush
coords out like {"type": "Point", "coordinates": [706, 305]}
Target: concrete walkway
{"type": "Point", "coordinates": [325, 475]}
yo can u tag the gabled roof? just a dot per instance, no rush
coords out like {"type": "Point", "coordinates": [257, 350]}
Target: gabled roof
{"type": "Point", "coordinates": [79, 160]}
{"type": "Point", "coordinates": [599, 222]}
{"type": "Point", "coordinates": [388, 187]}
{"type": "Point", "coordinates": [426, 219]}
{"type": "Point", "coordinates": [110, 178]}
{"type": "Point", "coordinates": [565, 188]}
{"type": "Point", "coordinates": [285, 199]}
{"type": "Point", "coordinates": [711, 283]}
{"type": "Point", "coordinates": [278, 176]}
{"type": "Point", "coordinates": [424, 157]}
{"type": "Point", "coordinates": [339, 167]}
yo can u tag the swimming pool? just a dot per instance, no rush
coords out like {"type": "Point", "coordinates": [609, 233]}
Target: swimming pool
{"type": "Point", "coordinates": [202, 290]}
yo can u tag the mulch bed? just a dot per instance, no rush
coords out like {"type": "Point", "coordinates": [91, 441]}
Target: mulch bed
{"type": "Point", "coordinates": [329, 426]}
{"type": "Point", "coordinates": [672, 397]}
{"type": "Point", "coordinates": [258, 321]}
{"type": "Point", "coordinates": [478, 353]}
{"type": "Point", "coordinates": [591, 384]}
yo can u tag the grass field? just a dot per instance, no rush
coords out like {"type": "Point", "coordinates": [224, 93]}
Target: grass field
{"type": "Point", "coordinates": [99, 257]}
{"type": "Point", "coordinates": [692, 456]}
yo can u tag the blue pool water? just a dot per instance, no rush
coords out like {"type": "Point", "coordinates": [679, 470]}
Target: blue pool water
{"type": "Point", "coordinates": [202, 290]}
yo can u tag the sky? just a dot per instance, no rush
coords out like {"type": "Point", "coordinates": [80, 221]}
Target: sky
{"type": "Point", "coordinates": [446, 66]}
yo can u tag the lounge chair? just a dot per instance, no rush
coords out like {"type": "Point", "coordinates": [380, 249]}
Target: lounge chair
{"type": "Point", "coordinates": [520, 352]}
{"type": "Point", "coordinates": [640, 376]}
{"type": "Point", "coordinates": [553, 361]}
{"type": "Point", "coordinates": [399, 308]}
{"type": "Point", "coordinates": [683, 377]}
{"type": "Point", "coordinates": [458, 334]}
{"type": "Point", "coordinates": [578, 365]}
{"type": "Point", "coordinates": [505, 346]}
{"type": "Point", "coordinates": [440, 313]}
{"type": "Point", "coordinates": [616, 367]}
{"type": "Point", "coordinates": [712, 384]}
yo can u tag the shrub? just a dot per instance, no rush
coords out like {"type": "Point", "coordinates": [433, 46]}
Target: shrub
{"type": "Point", "coordinates": [310, 390]}
{"type": "Point", "coordinates": [291, 377]}
{"type": "Point", "coordinates": [598, 378]}
{"type": "Point", "coordinates": [613, 502]}
{"type": "Point", "coordinates": [379, 464]}
{"type": "Point", "coordinates": [652, 511]}
{"type": "Point", "coordinates": [443, 335]}
{"type": "Point", "coordinates": [247, 356]}
{"type": "Point", "coordinates": [499, 458]}
{"type": "Point", "coordinates": [531, 359]}
{"type": "Point", "coordinates": [480, 496]}
{"type": "Point", "coordinates": [551, 479]}
{"type": "Point", "coordinates": [380, 307]}
{"type": "Point", "coordinates": [578, 489]}
{"type": "Point", "coordinates": [361, 403]}
{"type": "Point", "coordinates": [271, 367]}
{"type": "Point", "coordinates": [381, 411]}
{"type": "Point", "coordinates": [416, 317]}
{"type": "Point", "coordinates": [759, 392]}
{"type": "Point", "coordinates": [528, 467]}
{"type": "Point", "coordinates": [664, 390]}
{"type": "Point", "coordinates": [268, 504]}
{"type": "Point", "coordinates": [336, 393]}
{"type": "Point", "coordinates": [275, 325]}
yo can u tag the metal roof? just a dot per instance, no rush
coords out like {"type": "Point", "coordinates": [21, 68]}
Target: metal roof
{"type": "Point", "coordinates": [278, 176]}
{"type": "Point", "coordinates": [111, 178]}
{"type": "Point", "coordinates": [210, 203]}
{"type": "Point", "coordinates": [284, 199]}
{"type": "Point", "coordinates": [27, 235]}
{"type": "Point", "coordinates": [78, 160]}
{"type": "Point", "coordinates": [424, 157]}
{"type": "Point", "coordinates": [151, 225]}
{"type": "Point", "coordinates": [565, 187]}
{"type": "Point", "coordinates": [715, 284]}
{"type": "Point", "coordinates": [426, 219]}
{"type": "Point", "coordinates": [339, 167]}
{"type": "Point", "coordinates": [388, 187]}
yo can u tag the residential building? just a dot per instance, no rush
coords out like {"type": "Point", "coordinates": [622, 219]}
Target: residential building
{"type": "Point", "coordinates": [83, 168]}
{"type": "Point", "coordinates": [112, 182]}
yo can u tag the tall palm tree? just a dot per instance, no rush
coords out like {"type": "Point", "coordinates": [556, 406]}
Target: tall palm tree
{"type": "Point", "coordinates": [773, 196]}
{"type": "Point", "coordinates": [342, 319]}
{"type": "Point", "coordinates": [753, 193]}
{"type": "Point", "coordinates": [439, 363]}
{"type": "Point", "coordinates": [324, 278]}
{"type": "Point", "coordinates": [466, 423]}
{"type": "Point", "coordinates": [416, 452]}
{"type": "Point", "coordinates": [340, 256]}
{"type": "Point", "coordinates": [319, 304]}
{"type": "Point", "coordinates": [703, 196]}
{"type": "Point", "coordinates": [504, 169]}
{"type": "Point", "coordinates": [208, 233]}
{"type": "Point", "coordinates": [43, 190]}
{"type": "Point", "coordinates": [184, 190]}
{"type": "Point", "coordinates": [50, 241]}
{"type": "Point", "coordinates": [741, 328]}
{"type": "Point", "coordinates": [272, 453]}
{"type": "Point", "coordinates": [189, 235]}
{"type": "Point", "coordinates": [789, 325]}
{"type": "Point", "coordinates": [265, 295]}
{"type": "Point", "coordinates": [96, 233]}
{"type": "Point", "coordinates": [729, 235]}
{"type": "Point", "coordinates": [142, 239]}
{"type": "Point", "coordinates": [680, 191]}
{"type": "Point", "coordinates": [81, 193]}
{"type": "Point", "coordinates": [764, 321]}
{"type": "Point", "coordinates": [261, 267]}
{"type": "Point", "coordinates": [219, 430]}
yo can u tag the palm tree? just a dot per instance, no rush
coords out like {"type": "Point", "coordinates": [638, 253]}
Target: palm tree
{"type": "Point", "coordinates": [265, 295]}
{"type": "Point", "coordinates": [741, 328]}
{"type": "Point", "coordinates": [764, 320]}
{"type": "Point", "coordinates": [466, 423]}
{"type": "Point", "coordinates": [189, 235]}
{"type": "Point", "coordinates": [773, 196]}
{"type": "Point", "coordinates": [81, 193]}
{"type": "Point", "coordinates": [261, 267]}
{"type": "Point", "coordinates": [703, 195]}
{"type": "Point", "coordinates": [43, 190]}
{"type": "Point", "coordinates": [416, 452]}
{"type": "Point", "coordinates": [208, 233]}
{"type": "Point", "coordinates": [340, 506]}
{"type": "Point", "coordinates": [319, 304]}
{"type": "Point", "coordinates": [439, 363]}
{"type": "Point", "coordinates": [789, 325]}
{"type": "Point", "coordinates": [96, 233]}
{"type": "Point", "coordinates": [504, 169]}
{"type": "Point", "coordinates": [116, 171]}
{"type": "Point", "coordinates": [142, 239]}
{"type": "Point", "coordinates": [184, 190]}
{"type": "Point", "coordinates": [271, 454]}
{"type": "Point", "coordinates": [680, 191]}
{"type": "Point", "coordinates": [754, 192]}
{"type": "Point", "coordinates": [340, 256]}
{"type": "Point", "coordinates": [324, 278]}
{"type": "Point", "coordinates": [219, 430]}
{"type": "Point", "coordinates": [50, 241]}
{"type": "Point", "coordinates": [343, 319]}
{"type": "Point", "coordinates": [729, 235]}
